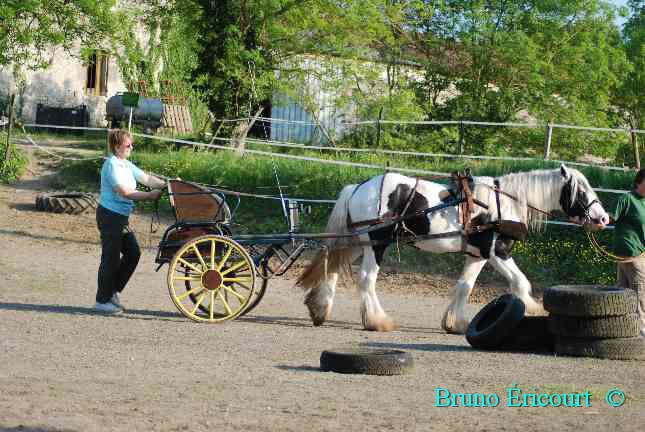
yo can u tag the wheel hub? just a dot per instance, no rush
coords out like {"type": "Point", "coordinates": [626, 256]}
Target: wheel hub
{"type": "Point", "coordinates": [212, 279]}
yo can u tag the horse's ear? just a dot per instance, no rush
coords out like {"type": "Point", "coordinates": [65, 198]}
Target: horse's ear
{"type": "Point", "coordinates": [565, 172]}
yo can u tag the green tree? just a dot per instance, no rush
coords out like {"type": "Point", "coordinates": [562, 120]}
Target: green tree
{"type": "Point", "coordinates": [630, 96]}
{"type": "Point", "coordinates": [251, 50]}
{"type": "Point", "coordinates": [504, 55]}
{"type": "Point", "coordinates": [558, 60]}
{"type": "Point", "coordinates": [30, 29]}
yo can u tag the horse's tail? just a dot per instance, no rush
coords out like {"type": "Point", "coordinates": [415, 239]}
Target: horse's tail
{"type": "Point", "coordinates": [338, 253]}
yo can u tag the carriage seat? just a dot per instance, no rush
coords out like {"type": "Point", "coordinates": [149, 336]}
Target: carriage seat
{"type": "Point", "coordinates": [194, 203]}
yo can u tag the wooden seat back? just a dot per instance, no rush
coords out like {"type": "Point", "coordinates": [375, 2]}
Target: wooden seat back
{"type": "Point", "coordinates": [194, 203]}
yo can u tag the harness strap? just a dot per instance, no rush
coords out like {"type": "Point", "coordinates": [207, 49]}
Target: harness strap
{"type": "Point", "coordinates": [370, 222]}
{"type": "Point", "coordinates": [404, 240]}
{"type": "Point", "coordinates": [466, 207]}
{"type": "Point", "coordinates": [409, 199]}
{"type": "Point", "coordinates": [382, 219]}
{"type": "Point", "coordinates": [497, 191]}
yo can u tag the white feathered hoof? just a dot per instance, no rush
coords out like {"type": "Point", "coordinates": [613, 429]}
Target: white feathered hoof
{"type": "Point", "coordinates": [376, 320]}
{"type": "Point", "coordinates": [381, 323]}
{"type": "Point", "coordinates": [533, 308]}
{"type": "Point", "coordinates": [319, 313]}
{"type": "Point", "coordinates": [451, 324]}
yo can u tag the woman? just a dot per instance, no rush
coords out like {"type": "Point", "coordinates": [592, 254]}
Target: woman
{"type": "Point", "coordinates": [119, 179]}
{"type": "Point", "coordinates": [629, 242]}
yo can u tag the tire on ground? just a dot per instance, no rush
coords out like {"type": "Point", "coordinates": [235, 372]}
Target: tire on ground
{"type": "Point", "coordinates": [531, 334]}
{"type": "Point", "coordinates": [622, 326]}
{"type": "Point", "coordinates": [367, 361]}
{"type": "Point", "coordinates": [615, 349]}
{"type": "Point", "coordinates": [71, 203]}
{"type": "Point", "coordinates": [495, 322]}
{"type": "Point", "coordinates": [589, 300]}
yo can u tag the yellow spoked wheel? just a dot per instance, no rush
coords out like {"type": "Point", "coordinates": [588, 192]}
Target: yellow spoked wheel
{"type": "Point", "coordinates": [211, 279]}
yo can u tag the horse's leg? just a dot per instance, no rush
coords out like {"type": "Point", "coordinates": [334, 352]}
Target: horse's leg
{"type": "Point", "coordinates": [519, 284]}
{"type": "Point", "coordinates": [454, 319]}
{"type": "Point", "coordinates": [372, 314]}
{"type": "Point", "coordinates": [321, 300]}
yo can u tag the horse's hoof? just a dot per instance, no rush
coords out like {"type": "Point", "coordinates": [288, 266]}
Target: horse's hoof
{"type": "Point", "coordinates": [457, 329]}
{"type": "Point", "coordinates": [452, 325]}
{"type": "Point", "coordinates": [386, 325]}
{"type": "Point", "coordinates": [461, 327]}
{"type": "Point", "coordinates": [534, 308]}
{"type": "Point", "coordinates": [448, 320]}
{"type": "Point", "coordinates": [317, 313]}
{"type": "Point", "coordinates": [380, 324]}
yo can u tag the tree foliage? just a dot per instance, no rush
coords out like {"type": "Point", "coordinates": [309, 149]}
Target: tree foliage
{"type": "Point", "coordinates": [631, 94]}
{"type": "Point", "coordinates": [556, 59]}
{"type": "Point", "coordinates": [31, 29]}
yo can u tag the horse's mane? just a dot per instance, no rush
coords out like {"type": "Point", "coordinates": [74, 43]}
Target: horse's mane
{"type": "Point", "coordinates": [538, 188]}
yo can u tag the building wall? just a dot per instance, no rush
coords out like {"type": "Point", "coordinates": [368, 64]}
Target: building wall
{"type": "Point", "coordinates": [63, 85]}
{"type": "Point", "coordinates": [294, 122]}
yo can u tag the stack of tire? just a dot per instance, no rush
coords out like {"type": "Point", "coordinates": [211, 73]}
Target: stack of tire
{"type": "Point", "coordinates": [69, 203]}
{"type": "Point", "coordinates": [595, 321]}
{"type": "Point", "coordinates": [502, 325]}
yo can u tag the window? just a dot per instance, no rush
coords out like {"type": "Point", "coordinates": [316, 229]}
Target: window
{"type": "Point", "coordinates": [97, 74]}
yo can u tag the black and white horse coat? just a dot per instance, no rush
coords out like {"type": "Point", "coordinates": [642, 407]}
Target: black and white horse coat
{"type": "Point", "coordinates": [381, 197]}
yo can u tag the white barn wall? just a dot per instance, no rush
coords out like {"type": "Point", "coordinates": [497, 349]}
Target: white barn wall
{"type": "Point", "coordinates": [330, 115]}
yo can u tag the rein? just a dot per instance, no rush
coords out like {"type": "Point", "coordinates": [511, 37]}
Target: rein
{"type": "Point", "coordinates": [601, 250]}
{"type": "Point", "coordinates": [499, 191]}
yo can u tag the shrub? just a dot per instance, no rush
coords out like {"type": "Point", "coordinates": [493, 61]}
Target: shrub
{"type": "Point", "coordinates": [15, 166]}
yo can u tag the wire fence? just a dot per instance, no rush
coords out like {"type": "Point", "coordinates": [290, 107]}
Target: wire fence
{"type": "Point", "coordinates": [462, 137]}
{"type": "Point", "coordinates": [292, 145]}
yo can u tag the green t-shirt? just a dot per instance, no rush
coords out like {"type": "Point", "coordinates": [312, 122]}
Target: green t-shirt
{"type": "Point", "coordinates": [629, 236]}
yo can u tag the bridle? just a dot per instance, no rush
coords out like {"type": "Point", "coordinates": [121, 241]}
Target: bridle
{"type": "Point", "coordinates": [578, 208]}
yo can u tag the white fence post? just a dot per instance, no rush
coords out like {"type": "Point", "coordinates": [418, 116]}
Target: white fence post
{"type": "Point", "coordinates": [547, 140]}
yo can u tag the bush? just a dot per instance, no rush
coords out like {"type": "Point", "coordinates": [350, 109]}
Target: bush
{"type": "Point", "coordinates": [15, 166]}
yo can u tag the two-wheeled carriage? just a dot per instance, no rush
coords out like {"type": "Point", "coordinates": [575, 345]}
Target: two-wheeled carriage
{"type": "Point", "coordinates": [214, 276]}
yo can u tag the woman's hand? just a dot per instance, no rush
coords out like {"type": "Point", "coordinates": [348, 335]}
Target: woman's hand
{"type": "Point", "coordinates": [593, 227]}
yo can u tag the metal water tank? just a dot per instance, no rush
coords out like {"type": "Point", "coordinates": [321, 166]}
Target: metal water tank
{"type": "Point", "coordinates": [147, 113]}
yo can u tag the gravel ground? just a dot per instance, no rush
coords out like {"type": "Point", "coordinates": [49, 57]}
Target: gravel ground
{"type": "Point", "coordinates": [65, 368]}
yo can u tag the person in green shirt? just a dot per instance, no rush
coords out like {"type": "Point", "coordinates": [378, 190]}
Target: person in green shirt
{"type": "Point", "coordinates": [629, 242]}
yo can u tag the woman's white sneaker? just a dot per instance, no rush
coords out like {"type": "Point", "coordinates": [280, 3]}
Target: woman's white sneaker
{"type": "Point", "coordinates": [107, 308]}
{"type": "Point", "coordinates": [116, 301]}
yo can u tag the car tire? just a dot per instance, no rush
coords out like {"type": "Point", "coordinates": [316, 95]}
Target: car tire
{"type": "Point", "coordinates": [367, 361]}
{"type": "Point", "coordinates": [589, 300]}
{"type": "Point", "coordinates": [495, 322]}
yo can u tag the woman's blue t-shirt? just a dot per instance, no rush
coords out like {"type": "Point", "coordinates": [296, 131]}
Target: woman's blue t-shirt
{"type": "Point", "coordinates": [115, 172]}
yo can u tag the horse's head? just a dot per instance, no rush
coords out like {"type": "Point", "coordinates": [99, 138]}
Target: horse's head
{"type": "Point", "coordinates": [578, 200]}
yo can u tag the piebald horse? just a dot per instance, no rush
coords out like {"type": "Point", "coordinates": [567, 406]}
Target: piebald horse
{"type": "Point", "coordinates": [393, 194]}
